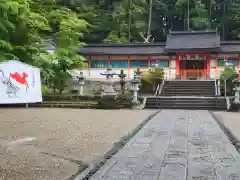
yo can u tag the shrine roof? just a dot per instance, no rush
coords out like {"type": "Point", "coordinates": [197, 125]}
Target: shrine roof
{"type": "Point", "coordinates": [192, 40]}
{"type": "Point", "coordinates": [188, 42]}
{"type": "Point", "coordinates": [230, 47]}
{"type": "Point", "coordinates": [123, 49]}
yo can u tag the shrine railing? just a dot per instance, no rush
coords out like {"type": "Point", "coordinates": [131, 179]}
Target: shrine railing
{"type": "Point", "coordinates": [193, 74]}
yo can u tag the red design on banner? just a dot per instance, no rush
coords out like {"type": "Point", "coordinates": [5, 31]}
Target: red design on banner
{"type": "Point", "coordinates": [20, 79]}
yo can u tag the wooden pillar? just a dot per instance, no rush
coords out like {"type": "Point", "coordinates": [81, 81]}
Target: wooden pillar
{"type": "Point", "coordinates": [129, 68]}
{"type": "Point", "coordinates": [208, 65]}
{"type": "Point", "coordinates": [238, 62]}
{"type": "Point", "coordinates": [217, 61]}
{"type": "Point", "coordinates": [89, 65]}
{"type": "Point", "coordinates": [177, 64]}
{"type": "Point", "coordinates": [205, 67]}
{"type": "Point", "coordinates": [217, 69]}
{"type": "Point", "coordinates": [149, 61]}
{"type": "Point", "coordinates": [169, 67]}
{"type": "Point", "coordinates": [109, 60]}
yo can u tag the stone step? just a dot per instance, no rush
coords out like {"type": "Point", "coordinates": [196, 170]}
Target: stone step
{"type": "Point", "coordinates": [206, 94]}
{"type": "Point", "coordinates": [186, 84]}
{"type": "Point", "coordinates": [190, 90]}
{"type": "Point", "coordinates": [190, 82]}
{"type": "Point", "coordinates": [187, 93]}
{"type": "Point", "coordinates": [184, 98]}
{"type": "Point", "coordinates": [188, 107]}
{"type": "Point", "coordinates": [185, 103]}
{"type": "Point", "coordinates": [188, 87]}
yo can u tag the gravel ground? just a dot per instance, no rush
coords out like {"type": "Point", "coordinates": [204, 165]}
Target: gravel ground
{"type": "Point", "coordinates": [52, 143]}
{"type": "Point", "coordinates": [231, 120]}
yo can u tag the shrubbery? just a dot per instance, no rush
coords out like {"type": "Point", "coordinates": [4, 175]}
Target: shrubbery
{"type": "Point", "coordinates": [227, 75]}
{"type": "Point", "coordinates": [151, 79]}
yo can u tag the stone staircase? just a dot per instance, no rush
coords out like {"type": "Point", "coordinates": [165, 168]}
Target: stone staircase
{"type": "Point", "coordinates": [196, 103]}
{"type": "Point", "coordinates": [189, 88]}
{"type": "Point", "coordinates": [196, 95]}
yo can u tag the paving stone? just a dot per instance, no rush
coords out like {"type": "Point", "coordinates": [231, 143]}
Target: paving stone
{"type": "Point", "coordinates": [228, 173]}
{"type": "Point", "coordinates": [176, 145]}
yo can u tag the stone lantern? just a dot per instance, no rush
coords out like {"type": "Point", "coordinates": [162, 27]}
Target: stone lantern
{"type": "Point", "coordinates": [108, 95]}
{"type": "Point", "coordinates": [138, 73]}
{"type": "Point", "coordinates": [236, 88]}
{"type": "Point", "coordinates": [81, 82]}
{"type": "Point", "coordinates": [122, 77]}
{"type": "Point", "coordinates": [135, 88]}
{"type": "Point", "coordinates": [108, 82]}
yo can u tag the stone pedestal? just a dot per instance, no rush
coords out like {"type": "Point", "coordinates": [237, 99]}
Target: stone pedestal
{"type": "Point", "coordinates": [108, 83]}
{"type": "Point", "coordinates": [108, 94]}
{"type": "Point", "coordinates": [122, 77]}
{"type": "Point", "coordinates": [81, 83]}
{"type": "Point", "coordinates": [135, 88]}
{"type": "Point", "coordinates": [236, 89]}
{"type": "Point", "coordinates": [237, 94]}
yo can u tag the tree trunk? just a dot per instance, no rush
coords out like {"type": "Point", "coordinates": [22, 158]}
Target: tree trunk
{"type": "Point", "coordinates": [129, 20]}
{"type": "Point", "coordinates": [149, 18]}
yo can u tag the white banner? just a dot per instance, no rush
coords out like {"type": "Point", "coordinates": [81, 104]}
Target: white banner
{"type": "Point", "coordinates": [19, 83]}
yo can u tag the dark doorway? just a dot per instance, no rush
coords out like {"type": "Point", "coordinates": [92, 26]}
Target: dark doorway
{"type": "Point", "coordinates": [192, 69]}
{"type": "Point", "coordinates": [192, 64]}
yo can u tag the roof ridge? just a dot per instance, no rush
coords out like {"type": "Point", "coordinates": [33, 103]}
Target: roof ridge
{"type": "Point", "coordinates": [193, 32]}
{"type": "Point", "coordinates": [126, 45]}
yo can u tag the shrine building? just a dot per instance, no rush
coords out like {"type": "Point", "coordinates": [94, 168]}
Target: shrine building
{"type": "Point", "coordinates": [198, 54]}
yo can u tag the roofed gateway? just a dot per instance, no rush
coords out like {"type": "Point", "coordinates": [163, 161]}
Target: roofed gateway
{"type": "Point", "coordinates": [185, 55]}
{"type": "Point", "coordinates": [189, 41]}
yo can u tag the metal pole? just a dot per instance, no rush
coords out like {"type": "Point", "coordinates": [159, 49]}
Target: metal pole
{"type": "Point", "coordinates": [210, 14]}
{"type": "Point", "coordinates": [225, 88]}
{"type": "Point", "coordinates": [149, 18]}
{"type": "Point", "coordinates": [188, 16]}
{"type": "Point", "coordinates": [129, 20]}
{"type": "Point", "coordinates": [223, 26]}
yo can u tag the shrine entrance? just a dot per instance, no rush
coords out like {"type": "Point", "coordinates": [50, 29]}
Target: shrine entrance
{"type": "Point", "coordinates": [193, 66]}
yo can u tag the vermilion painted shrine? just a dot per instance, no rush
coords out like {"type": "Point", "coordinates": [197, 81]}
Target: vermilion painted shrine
{"type": "Point", "coordinates": [198, 54]}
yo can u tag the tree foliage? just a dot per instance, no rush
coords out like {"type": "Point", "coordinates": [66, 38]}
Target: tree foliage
{"type": "Point", "coordinates": [27, 27]}
{"type": "Point", "coordinates": [26, 24]}
{"type": "Point", "coordinates": [228, 76]}
{"type": "Point", "coordinates": [20, 30]}
{"type": "Point", "coordinates": [111, 18]}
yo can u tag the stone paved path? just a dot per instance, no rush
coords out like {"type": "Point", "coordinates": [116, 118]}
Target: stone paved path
{"type": "Point", "coordinates": [175, 145]}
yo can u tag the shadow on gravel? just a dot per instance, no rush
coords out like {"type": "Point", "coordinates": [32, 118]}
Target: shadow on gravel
{"type": "Point", "coordinates": [235, 141]}
{"type": "Point", "coordinates": [85, 175]}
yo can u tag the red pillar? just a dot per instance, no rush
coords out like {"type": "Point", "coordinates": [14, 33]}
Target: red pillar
{"type": "Point", "coordinates": [169, 67]}
{"type": "Point", "coordinates": [129, 68]}
{"type": "Point", "coordinates": [89, 65]}
{"type": "Point", "coordinates": [208, 65]}
{"type": "Point", "coordinates": [177, 64]}
{"type": "Point", "coordinates": [239, 62]}
{"type": "Point", "coordinates": [109, 60]}
{"type": "Point", "coordinates": [149, 61]}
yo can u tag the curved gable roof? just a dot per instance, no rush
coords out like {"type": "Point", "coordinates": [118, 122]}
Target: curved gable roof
{"type": "Point", "coordinates": [192, 40]}
{"type": "Point", "coordinates": [127, 49]}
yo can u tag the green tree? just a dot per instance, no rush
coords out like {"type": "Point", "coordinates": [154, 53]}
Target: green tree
{"type": "Point", "coordinates": [119, 21]}
{"type": "Point", "coordinates": [67, 29]}
{"type": "Point", "coordinates": [20, 31]}
{"type": "Point", "coordinates": [154, 77]}
{"type": "Point", "coordinates": [234, 20]}
{"type": "Point", "coordinates": [227, 75]}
